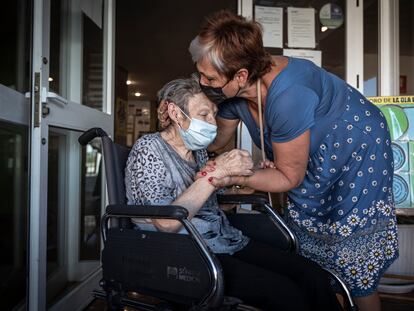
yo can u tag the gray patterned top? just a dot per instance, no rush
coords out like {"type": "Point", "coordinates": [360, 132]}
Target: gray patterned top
{"type": "Point", "coordinates": [156, 174]}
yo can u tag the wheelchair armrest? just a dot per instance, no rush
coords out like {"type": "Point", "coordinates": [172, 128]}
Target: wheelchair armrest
{"type": "Point", "coordinates": [147, 211]}
{"type": "Point", "coordinates": [242, 199]}
{"type": "Point", "coordinates": [260, 199]}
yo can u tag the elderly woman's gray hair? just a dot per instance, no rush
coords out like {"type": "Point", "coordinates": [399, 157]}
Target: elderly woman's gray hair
{"type": "Point", "coordinates": [179, 91]}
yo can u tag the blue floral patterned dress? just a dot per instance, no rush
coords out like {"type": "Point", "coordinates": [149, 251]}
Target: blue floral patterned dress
{"type": "Point", "coordinates": [343, 212]}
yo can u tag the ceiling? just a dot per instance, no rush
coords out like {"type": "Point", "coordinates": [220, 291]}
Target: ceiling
{"type": "Point", "coordinates": [152, 39]}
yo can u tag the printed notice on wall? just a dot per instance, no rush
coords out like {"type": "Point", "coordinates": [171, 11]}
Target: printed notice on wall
{"type": "Point", "coordinates": [301, 27]}
{"type": "Point", "coordinates": [271, 20]}
{"type": "Point", "coordinates": [312, 55]}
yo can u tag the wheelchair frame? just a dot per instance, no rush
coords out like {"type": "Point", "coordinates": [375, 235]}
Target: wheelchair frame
{"type": "Point", "coordinates": [213, 300]}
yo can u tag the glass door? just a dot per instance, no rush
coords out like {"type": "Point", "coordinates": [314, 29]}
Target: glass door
{"type": "Point", "coordinates": [15, 29]}
{"type": "Point", "coordinates": [71, 92]}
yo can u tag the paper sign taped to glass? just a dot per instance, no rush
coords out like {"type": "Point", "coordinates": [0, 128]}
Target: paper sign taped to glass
{"type": "Point", "coordinates": [399, 112]}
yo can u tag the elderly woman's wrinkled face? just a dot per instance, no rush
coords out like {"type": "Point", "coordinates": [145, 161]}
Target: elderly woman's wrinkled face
{"type": "Point", "coordinates": [201, 108]}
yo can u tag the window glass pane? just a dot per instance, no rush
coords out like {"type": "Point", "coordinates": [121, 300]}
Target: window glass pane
{"type": "Point", "coordinates": [15, 23]}
{"type": "Point", "coordinates": [76, 51]}
{"type": "Point", "coordinates": [406, 47]}
{"type": "Point", "coordinates": [55, 36]}
{"type": "Point", "coordinates": [371, 48]}
{"type": "Point", "coordinates": [92, 63]}
{"type": "Point", "coordinates": [329, 38]}
{"type": "Point", "coordinates": [15, 32]}
{"type": "Point", "coordinates": [56, 267]}
{"type": "Point", "coordinates": [13, 215]}
{"type": "Point", "coordinates": [73, 210]}
{"type": "Point", "coordinates": [55, 206]}
{"type": "Point", "coordinates": [91, 201]}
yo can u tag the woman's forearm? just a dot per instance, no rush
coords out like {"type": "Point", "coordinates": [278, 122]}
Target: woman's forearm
{"type": "Point", "coordinates": [268, 180]}
{"type": "Point", "coordinates": [192, 199]}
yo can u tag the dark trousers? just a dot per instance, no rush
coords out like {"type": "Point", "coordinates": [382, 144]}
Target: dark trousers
{"type": "Point", "coordinates": [271, 279]}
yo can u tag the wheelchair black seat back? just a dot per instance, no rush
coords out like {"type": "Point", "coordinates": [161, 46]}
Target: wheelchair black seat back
{"type": "Point", "coordinates": [178, 270]}
{"type": "Point", "coordinates": [155, 265]}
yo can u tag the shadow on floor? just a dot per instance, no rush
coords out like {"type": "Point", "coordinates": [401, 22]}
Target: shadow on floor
{"type": "Point", "coordinates": [387, 304]}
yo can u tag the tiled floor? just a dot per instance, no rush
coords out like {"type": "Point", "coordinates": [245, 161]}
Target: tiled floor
{"type": "Point", "coordinates": [392, 303]}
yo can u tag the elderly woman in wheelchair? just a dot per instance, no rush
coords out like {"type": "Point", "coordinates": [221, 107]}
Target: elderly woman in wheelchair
{"type": "Point", "coordinates": [161, 170]}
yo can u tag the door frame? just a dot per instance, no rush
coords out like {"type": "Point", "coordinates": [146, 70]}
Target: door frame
{"type": "Point", "coordinates": [69, 114]}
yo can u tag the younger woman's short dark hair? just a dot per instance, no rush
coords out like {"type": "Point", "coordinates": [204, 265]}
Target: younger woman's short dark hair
{"type": "Point", "coordinates": [231, 42]}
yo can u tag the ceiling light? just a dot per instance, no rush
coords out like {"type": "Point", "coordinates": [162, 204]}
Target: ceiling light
{"type": "Point", "coordinates": [324, 28]}
{"type": "Point", "coordinates": [137, 94]}
{"type": "Point", "coordinates": [50, 79]}
{"type": "Point", "coordinates": [128, 82]}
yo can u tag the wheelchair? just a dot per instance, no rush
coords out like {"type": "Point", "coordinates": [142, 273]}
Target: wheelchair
{"type": "Point", "coordinates": [152, 270]}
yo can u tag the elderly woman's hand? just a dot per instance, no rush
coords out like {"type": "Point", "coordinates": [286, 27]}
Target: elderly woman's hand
{"type": "Point", "coordinates": [163, 117]}
{"type": "Point", "coordinates": [233, 163]}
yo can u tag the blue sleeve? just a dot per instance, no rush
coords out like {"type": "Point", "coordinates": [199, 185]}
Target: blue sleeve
{"type": "Point", "coordinates": [228, 109]}
{"type": "Point", "coordinates": [291, 113]}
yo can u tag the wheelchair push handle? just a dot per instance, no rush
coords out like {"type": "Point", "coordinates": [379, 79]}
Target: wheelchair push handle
{"type": "Point", "coordinates": [90, 134]}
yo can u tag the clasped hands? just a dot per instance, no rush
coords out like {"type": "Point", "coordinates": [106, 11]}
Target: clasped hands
{"type": "Point", "coordinates": [231, 168]}
{"type": "Point", "coordinates": [228, 168]}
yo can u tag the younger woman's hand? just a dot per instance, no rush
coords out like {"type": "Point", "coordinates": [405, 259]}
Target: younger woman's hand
{"type": "Point", "coordinates": [267, 164]}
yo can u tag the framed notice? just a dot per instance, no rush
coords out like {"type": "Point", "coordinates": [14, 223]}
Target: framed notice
{"type": "Point", "coordinates": [301, 27]}
{"type": "Point", "coordinates": [271, 19]}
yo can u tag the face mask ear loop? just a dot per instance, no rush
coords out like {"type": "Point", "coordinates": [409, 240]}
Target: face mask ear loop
{"type": "Point", "coordinates": [185, 115]}
{"type": "Point", "coordinates": [183, 112]}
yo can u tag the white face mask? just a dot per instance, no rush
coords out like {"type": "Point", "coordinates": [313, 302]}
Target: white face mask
{"type": "Point", "coordinates": [199, 134]}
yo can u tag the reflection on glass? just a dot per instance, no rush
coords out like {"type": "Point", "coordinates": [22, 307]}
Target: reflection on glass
{"type": "Point", "coordinates": [53, 210]}
{"type": "Point", "coordinates": [54, 57]}
{"type": "Point", "coordinates": [86, 201]}
{"type": "Point", "coordinates": [13, 216]}
{"type": "Point", "coordinates": [91, 201]}
{"type": "Point", "coordinates": [406, 47]}
{"type": "Point", "coordinates": [92, 63]}
{"type": "Point", "coordinates": [56, 207]}
{"type": "Point", "coordinates": [371, 48]}
{"type": "Point", "coordinates": [15, 41]}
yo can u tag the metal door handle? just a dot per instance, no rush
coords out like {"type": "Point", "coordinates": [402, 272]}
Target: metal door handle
{"type": "Point", "coordinates": [53, 97]}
